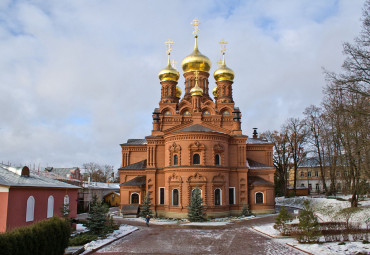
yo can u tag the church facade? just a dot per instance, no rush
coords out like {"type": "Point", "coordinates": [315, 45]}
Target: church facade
{"type": "Point", "coordinates": [197, 143]}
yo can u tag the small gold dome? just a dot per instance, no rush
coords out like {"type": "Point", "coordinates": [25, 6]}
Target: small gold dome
{"type": "Point", "coordinates": [178, 92]}
{"type": "Point", "coordinates": [214, 91]}
{"type": "Point", "coordinates": [196, 61]}
{"type": "Point", "coordinates": [223, 73]}
{"type": "Point", "coordinates": [169, 73]}
{"type": "Point", "coordinates": [196, 90]}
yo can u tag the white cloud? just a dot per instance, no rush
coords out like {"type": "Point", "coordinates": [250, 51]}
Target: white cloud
{"type": "Point", "coordinates": [77, 78]}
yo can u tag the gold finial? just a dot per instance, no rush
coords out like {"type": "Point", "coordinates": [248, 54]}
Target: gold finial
{"type": "Point", "coordinates": [223, 46]}
{"type": "Point", "coordinates": [196, 90]}
{"type": "Point", "coordinates": [195, 24]}
{"type": "Point", "coordinates": [174, 63]}
{"type": "Point", "coordinates": [219, 63]}
{"type": "Point", "coordinates": [169, 46]}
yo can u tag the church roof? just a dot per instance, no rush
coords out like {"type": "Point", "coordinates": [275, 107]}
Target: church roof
{"type": "Point", "coordinates": [256, 165]}
{"type": "Point", "coordinates": [135, 142]}
{"type": "Point", "coordinates": [197, 128]}
{"type": "Point", "coordinates": [141, 165]}
{"type": "Point", "coordinates": [137, 181]}
{"type": "Point", "coordinates": [256, 180]}
{"type": "Point", "coordinates": [257, 141]}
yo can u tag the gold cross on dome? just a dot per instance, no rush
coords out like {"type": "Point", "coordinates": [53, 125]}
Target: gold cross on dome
{"type": "Point", "coordinates": [195, 24]}
{"type": "Point", "coordinates": [169, 45]}
{"type": "Point", "coordinates": [174, 63]}
{"type": "Point", "coordinates": [223, 46]}
{"type": "Point", "coordinates": [196, 75]}
{"type": "Point", "coordinates": [219, 63]}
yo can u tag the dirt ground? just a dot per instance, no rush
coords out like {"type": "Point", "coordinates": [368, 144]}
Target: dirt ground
{"type": "Point", "coordinates": [235, 238]}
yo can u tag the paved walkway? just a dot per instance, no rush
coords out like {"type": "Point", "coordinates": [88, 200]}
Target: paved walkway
{"type": "Point", "coordinates": [235, 238]}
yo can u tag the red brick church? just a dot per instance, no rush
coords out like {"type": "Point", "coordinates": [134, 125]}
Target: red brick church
{"type": "Point", "coordinates": [197, 143]}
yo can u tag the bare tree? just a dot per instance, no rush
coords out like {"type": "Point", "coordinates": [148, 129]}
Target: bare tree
{"type": "Point", "coordinates": [315, 125]}
{"type": "Point", "coordinates": [296, 134]}
{"type": "Point", "coordinates": [281, 159]}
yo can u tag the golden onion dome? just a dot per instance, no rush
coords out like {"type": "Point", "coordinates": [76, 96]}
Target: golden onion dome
{"type": "Point", "coordinates": [223, 73]}
{"type": "Point", "coordinates": [169, 73]}
{"type": "Point", "coordinates": [196, 90]}
{"type": "Point", "coordinates": [196, 61]}
{"type": "Point", "coordinates": [178, 92]}
{"type": "Point", "coordinates": [214, 91]}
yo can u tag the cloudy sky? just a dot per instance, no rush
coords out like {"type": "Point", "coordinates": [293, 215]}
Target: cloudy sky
{"type": "Point", "coordinates": [79, 77]}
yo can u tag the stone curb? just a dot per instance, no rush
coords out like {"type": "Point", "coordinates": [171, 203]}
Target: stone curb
{"type": "Point", "coordinates": [98, 248]}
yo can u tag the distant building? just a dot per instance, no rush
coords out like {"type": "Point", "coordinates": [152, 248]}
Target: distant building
{"type": "Point", "coordinates": [71, 173]}
{"type": "Point", "coordinates": [26, 198]}
{"type": "Point", "coordinates": [98, 189]}
{"type": "Point", "coordinates": [113, 198]}
{"type": "Point", "coordinates": [309, 176]}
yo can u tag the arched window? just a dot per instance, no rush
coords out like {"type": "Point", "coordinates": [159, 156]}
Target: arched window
{"type": "Point", "coordinates": [259, 198]}
{"type": "Point", "coordinates": [225, 113]}
{"type": "Point", "coordinates": [217, 160]}
{"type": "Point", "coordinates": [134, 198]}
{"type": "Point", "coordinates": [186, 113]}
{"type": "Point", "coordinates": [217, 196]}
{"type": "Point", "coordinates": [50, 211]}
{"type": "Point", "coordinates": [175, 160]}
{"type": "Point", "coordinates": [167, 113]}
{"type": "Point", "coordinates": [30, 213]}
{"type": "Point", "coordinates": [196, 159]}
{"type": "Point", "coordinates": [206, 113]}
{"type": "Point", "coordinates": [175, 197]}
{"type": "Point", "coordinates": [66, 202]}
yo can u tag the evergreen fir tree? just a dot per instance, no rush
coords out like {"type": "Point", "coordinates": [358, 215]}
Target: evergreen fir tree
{"type": "Point", "coordinates": [245, 210]}
{"type": "Point", "coordinates": [282, 219]}
{"type": "Point", "coordinates": [196, 211]}
{"type": "Point", "coordinates": [308, 224]}
{"type": "Point", "coordinates": [97, 217]}
{"type": "Point", "coordinates": [145, 207]}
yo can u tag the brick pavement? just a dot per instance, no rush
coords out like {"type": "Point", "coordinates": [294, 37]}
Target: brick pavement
{"type": "Point", "coordinates": [236, 238]}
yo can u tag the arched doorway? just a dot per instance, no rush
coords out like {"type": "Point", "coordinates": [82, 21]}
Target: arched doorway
{"type": "Point", "coordinates": [134, 198]}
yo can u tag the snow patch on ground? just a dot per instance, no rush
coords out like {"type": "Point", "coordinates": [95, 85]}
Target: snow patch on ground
{"type": "Point", "coordinates": [122, 231]}
{"type": "Point", "coordinates": [206, 223]}
{"type": "Point", "coordinates": [327, 208]}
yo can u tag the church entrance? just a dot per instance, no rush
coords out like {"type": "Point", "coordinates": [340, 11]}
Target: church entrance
{"type": "Point", "coordinates": [134, 198]}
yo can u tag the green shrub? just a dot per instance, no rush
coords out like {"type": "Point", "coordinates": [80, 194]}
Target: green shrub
{"type": "Point", "coordinates": [308, 224]}
{"type": "Point", "coordinates": [47, 237]}
{"type": "Point", "coordinates": [82, 239]}
{"type": "Point", "coordinates": [282, 219]}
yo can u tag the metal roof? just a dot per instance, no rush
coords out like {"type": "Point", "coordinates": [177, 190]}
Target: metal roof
{"type": "Point", "coordinates": [61, 171]}
{"type": "Point", "coordinates": [135, 142]}
{"type": "Point", "coordinates": [197, 128]}
{"type": "Point", "coordinates": [9, 178]}
{"type": "Point", "coordinates": [256, 180]}
{"type": "Point", "coordinates": [141, 165]}
{"type": "Point", "coordinates": [257, 141]}
{"type": "Point", "coordinates": [137, 181]}
{"type": "Point", "coordinates": [256, 165]}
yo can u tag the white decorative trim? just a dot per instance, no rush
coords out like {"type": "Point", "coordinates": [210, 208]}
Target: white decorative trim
{"type": "Point", "coordinates": [255, 198]}
{"type": "Point", "coordinates": [50, 208]}
{"type": "Point", "coordinates": [131, 198]}
{"type": "Point", "coordinates": [4, 189]}
{"type": "Point", "coordinates": [214, 192]}
{"type": "Point", "coordinates": [30, 211]}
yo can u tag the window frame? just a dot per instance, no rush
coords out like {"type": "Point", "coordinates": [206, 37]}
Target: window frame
{"type": "Point", "coordinates": [178, 197]}
{"type": "Point", "coordinates": [134, 193]}
{"type": "Point", "coordinates": [233, 189]}
{"type": "Point", "coordinates": [30, 209]}
{"type": "Point", "coordinates": [214, 192]}
{"type": "Point", "coordinates": [255, 197]}
{"type": "Point", "coordinates": [193, 159]}
{"type": "Point", "coordinates": [50, 208]}
{"type": "Point", "coordinates": [159, 195]}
